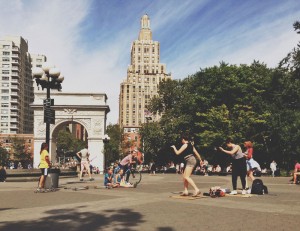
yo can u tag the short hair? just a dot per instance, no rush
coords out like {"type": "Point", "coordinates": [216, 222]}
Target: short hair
{"type": "Point", "coordinates": [229, 140]}
{"type": "Point", "coordinates": [185, 136]}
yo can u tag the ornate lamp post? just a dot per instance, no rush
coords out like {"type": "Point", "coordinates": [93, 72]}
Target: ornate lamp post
{"type": "Point", "coordinates": [105, 140]}
{"type": "Point", "coordinates": [48, 77]}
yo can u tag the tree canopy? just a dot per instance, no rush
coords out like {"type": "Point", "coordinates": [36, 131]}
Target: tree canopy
{"type": "Point", "coordinates": [245, 102]}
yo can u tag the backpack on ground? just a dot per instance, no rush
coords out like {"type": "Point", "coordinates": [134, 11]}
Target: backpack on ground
{"type": "Point", "coordinates": [258, 187]}
{"type": "Point", "coordinates": [216, 192]}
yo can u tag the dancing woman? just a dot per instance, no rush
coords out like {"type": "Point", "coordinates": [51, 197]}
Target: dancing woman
{"type": "Point", "coordinates": [238, 165]}
{"type": "Point", "coordinates": [188, 151]}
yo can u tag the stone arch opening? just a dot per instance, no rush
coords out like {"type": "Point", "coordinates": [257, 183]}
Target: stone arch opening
{"type": "Point", "coordinates": [77, 129]}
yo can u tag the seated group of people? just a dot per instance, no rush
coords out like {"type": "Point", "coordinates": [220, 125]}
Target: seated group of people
{"type": "Point", "coordinates": [119, 175]}
{"type": "Point", "coordinates": [115, 178]}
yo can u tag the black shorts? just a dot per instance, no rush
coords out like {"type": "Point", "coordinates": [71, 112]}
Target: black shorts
{"type": "Point", "coordinates": [45, 171]}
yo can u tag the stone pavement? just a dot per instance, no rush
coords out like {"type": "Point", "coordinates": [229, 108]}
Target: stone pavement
{"type": "Point", "coordinates": [148, 207]}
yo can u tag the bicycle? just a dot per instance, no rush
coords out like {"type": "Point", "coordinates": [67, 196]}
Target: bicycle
{"type": "Point", "coordinates": [131, 171]}
{"type": "Point", "coordinates": [136, 174]}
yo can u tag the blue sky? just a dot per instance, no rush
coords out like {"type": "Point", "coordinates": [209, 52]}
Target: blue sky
{"type": "Point", "coordinates": [90, 40]}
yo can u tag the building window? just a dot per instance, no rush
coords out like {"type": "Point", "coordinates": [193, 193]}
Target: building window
{"type": "Point", "coordinates": [4, 117]}
{"type": "Point", "coordinates": [6, 47]}
{"type": "Point", "coordinates": [5, 91]}
{"type": "Point", "coordinates": [6, 53]}
{"type": "Point", "coordinates": [5, 98]}
{"type": "Point", "coordinates": [5, 72]}
{"type": "Point", "coordinates": [5, 59]}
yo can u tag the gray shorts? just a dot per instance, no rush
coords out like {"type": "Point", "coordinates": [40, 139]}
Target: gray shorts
{"type": "Point", "coordinates": [190, 161]}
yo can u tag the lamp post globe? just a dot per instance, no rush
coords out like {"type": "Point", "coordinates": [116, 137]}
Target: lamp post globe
{"type": "Point", "coordinates": [48, 77]}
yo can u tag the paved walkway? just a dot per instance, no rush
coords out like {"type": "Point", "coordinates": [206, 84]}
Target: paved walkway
{"type": "Point", "coordinates": [148, 207]}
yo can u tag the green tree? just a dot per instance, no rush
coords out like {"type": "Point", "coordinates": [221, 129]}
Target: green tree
{"type": "Point", "coordinates": [19, 150]}
{"type": "Point", "coordinates": [67, 141]}
{"type": "Point", "coordinates": [4, 157]}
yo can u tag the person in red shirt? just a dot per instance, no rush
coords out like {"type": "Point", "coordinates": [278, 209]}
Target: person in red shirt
{"type": "Point", "coordinates": [296, 171]}
{"type": "Point", "coordinates": [251, 163]}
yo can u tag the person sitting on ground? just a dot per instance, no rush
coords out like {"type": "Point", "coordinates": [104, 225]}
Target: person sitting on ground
{"type": "Point", "coordinates": [108, 178]}
{"type": "Point", "coordinates": [119, 180]}
{"type": "Point", "coordinates": [229, 168]}
{"type": "Point", "coordinates": [296, 171]}
{"type": "Point", "coordinates": [218, 168]}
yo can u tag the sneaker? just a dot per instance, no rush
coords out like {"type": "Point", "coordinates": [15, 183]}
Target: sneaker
{"type": "Point", "coordinates": [40, 190]}
{"type": "Point", "coordinates": [234, 192]}
{"type": "Point", "coordinates": [81, 179]}
{"type": "Point", "coordinates": [91, 179]}
{"type": "Point", "coordinates": [244, 192]}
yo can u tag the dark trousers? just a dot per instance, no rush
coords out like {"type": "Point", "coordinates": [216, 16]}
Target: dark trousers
{"type": "Point", "coordinates": [239, 168]}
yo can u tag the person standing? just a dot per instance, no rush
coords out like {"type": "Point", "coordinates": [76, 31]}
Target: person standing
{"type": "Point", "coordinates": [273, 167]}
{"type": "Point", "coordinates": [85, 162]}
{"type": "Point", "coordinates": [296, 171]}
{"type": "Point", "coordinates": [44, 166]}
{"type": "Point", "coordinates": [188, 151]}
{"type": "Point", "coordinates": [251, 163]}
{"type": "Point", "coordinates": [2, 174]}
{"type": "Point", "coordinates": [126, 163]}
{"type": "Point", "coordinates": [238, 165]}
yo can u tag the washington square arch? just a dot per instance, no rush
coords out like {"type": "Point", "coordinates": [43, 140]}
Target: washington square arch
{"type": "Point", "coordinates": [88, 109]}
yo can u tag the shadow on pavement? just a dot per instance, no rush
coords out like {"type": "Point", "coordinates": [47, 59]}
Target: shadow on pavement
{"type": "Point", "coordinates": [72, 219]}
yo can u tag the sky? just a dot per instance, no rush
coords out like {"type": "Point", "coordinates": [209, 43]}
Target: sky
{"type": "Point", "coordinates": [90, 40]}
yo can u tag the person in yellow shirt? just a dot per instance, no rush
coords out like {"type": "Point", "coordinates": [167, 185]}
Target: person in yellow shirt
{"type": "Point", "coordinates": [44, 165]}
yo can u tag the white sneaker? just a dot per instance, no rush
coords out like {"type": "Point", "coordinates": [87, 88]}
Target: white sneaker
{"type": "Point", "coordinates": [234, 192]}
{"type": "Point", "coordinates": [244, 192]}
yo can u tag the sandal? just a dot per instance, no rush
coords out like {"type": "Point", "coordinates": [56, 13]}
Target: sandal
{"type": "Point", "coordinates": [197, 193]}
{"type": "Point", "coordinates": [184, 194]}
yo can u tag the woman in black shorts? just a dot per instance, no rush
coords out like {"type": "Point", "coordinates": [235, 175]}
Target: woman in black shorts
{"type": "Point", "coordinates": [188, 151]}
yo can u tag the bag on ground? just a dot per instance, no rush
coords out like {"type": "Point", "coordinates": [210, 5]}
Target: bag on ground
{"type": "Point", "coordinates": [216, 192]}
{"type": "Point", "coordinates": [258, 187]}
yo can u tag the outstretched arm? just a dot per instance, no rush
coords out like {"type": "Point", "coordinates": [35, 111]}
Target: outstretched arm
{"type": "Point", "coordinates": [232, 152]}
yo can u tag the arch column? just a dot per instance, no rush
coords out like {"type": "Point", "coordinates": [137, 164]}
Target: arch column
{"type": "Point", "coordinates": [96, 148]}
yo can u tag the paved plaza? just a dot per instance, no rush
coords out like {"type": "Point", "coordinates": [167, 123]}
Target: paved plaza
{"type": "Point", "coordinates": [147, 207]}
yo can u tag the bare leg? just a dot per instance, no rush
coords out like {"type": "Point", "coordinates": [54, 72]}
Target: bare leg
{"type": "Point", "coordinates": [186, 174]}
{"type": "Point", "coordinates": [81, 171]}
{"type": "Point", "coordinates": [185, 185]}
{"type": "Point", "coordinates": [250, 174]}
{"type": "Point", "coordinates": [42, 182]}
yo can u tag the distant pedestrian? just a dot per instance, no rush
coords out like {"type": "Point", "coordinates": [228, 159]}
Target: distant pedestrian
{"type": "Point", "coordinates": [188, 151]}
{"type": "Point", "coordinates": [296, 172]}
{"type": "Point", "coordinates": [238, 165]}
{"type": "Point", "coordinates": [273, 167]}
{"type": "Point", "coordinates": [2, 174]}
{"type": "Point", "coordinates": [85, 162]}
